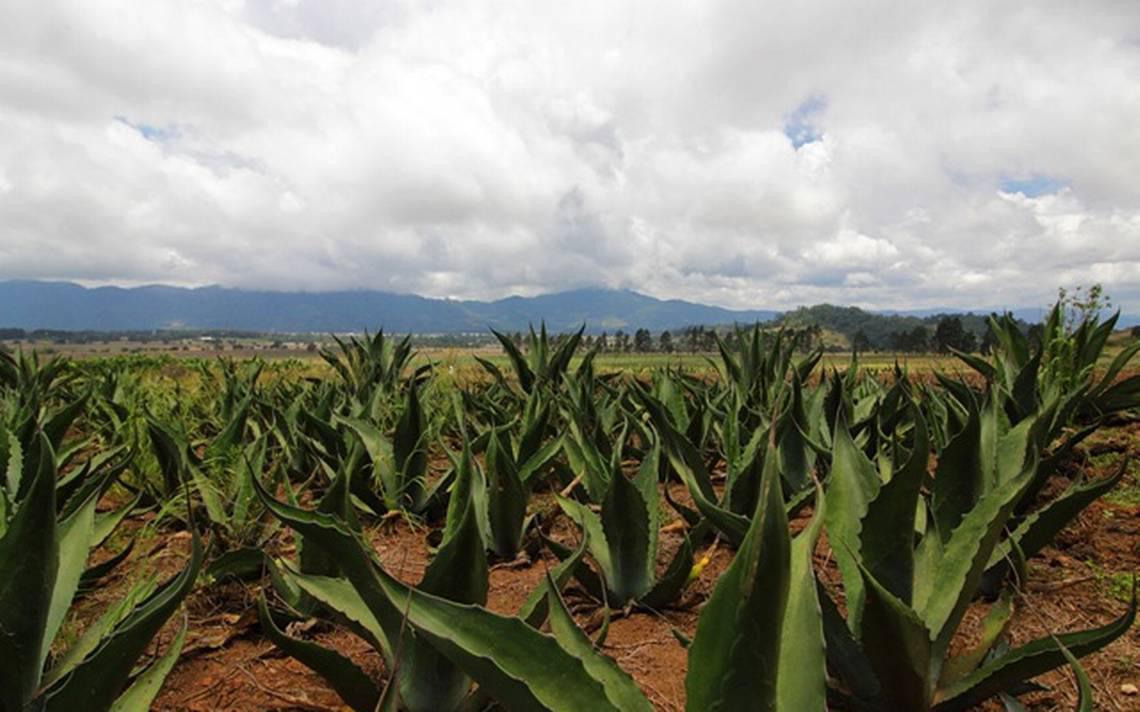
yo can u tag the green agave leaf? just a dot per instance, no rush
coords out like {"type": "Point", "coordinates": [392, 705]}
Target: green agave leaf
{"type": "Point", "coordinates": [29, 565]}
{"type": "Point", "coordinates": [560, 360]}
{"type": "Point", "coordinates": [383, 458]}
{"type": "Point", "coordinates": [338, 595]}
{"type": "Point", "coordinates": [626, 522]}
{"type": "Point", "coordinates": [587, 462]}
{"type": "Point", "coordinates": [518, 361]}
{"type": "Point", "coordinates": [669, 587]}
{"type": "Point", "coordinates": [493, 370]}
{"type": "Point", "coordinates": [1030, 660]}
{"type": "Point", "coordinates": [534, 466]}
{"type": "Point", "coordinates": [57, 425]}
{"type": "Point", "coordinates": [1084, 685]}
{"type": "Point", "coordinates": [965, 557]}
{"type": "Point", "coordinates": [75, 535]}
{"type": "Point", "coordinates": [1116, 367]}
{"type": "Point", "coordinates": [887, 535]}
{"type": "Point", "coordinates": [106, 523]}
{"type": "Point", "coordinates": [96, 681]}
{"type": "Point", "coordinates": [594, 534]}
{"type": "Point", "coordinates": [734, 657]}
{"type": "Point", "coordinates": [211, 497]}
{"type": "Point", "coordinates": [853, 484]}
{"type": "Point", "coordinates": [506, 499]}
{"type": "Point", "coordinates": [350, 682]}
{"type": "Point", "coordinates": [589, 579]}
{"type": "Point", "coordinates": [994, 625]}
{"type": "Point", "coordinates": [1023, 394]}
{"type": "Point", "coordinates": [1091, 348]}
{"type": "Point", "coordinates": [534, 609]}
{"type": "Point", "coordinates": [1007, 459]}
{"type": "Point", "coordinates": [408, 446]}
{"type": "Point", "coordinates": [927, 559]}
{"type": "Point", "coordinates": [428, 680]}
{"type": "Point", "coordinates": [94, 574]}
{"type": "Point", "coordinates": [95, 632]}
{"type": "Point", "coordinates": [231, 434]}
{"type": "Point", "coordinates": [958, 479]}
{"type": "Point", "coordinates": [689, 466]}
{"type": "Point", "coordinates": [619, 686]}
{"type": "Point", "coordinates": [646, 481]}
{"type": "Point", "coordinates": [96, 475]}
{"type": "Point", "coordinates": [796, 459]}
{"type": "Point", "coordinates": [313, 558]}
{"type": "Point", "coordinates": [977, 363]}
{"type": "Point", "coordinates": [845, 655]}
{"type": "Point", "coordinates": [690, 516]}
{"type": "Point", "coordinates": [170, 451]}
{"type": "Point", "coordinates": [1039, 528]}
{"type": "Point", "coordinates": [139, 696]}
{"type": "Point", "coordinates": [802, 680]}
{"type": "Point", "coordinates": [243, 564]}
{"type": "Point", "coordinates": [897, 644]}
{"type": "Point", "coordinates": [253, 459]}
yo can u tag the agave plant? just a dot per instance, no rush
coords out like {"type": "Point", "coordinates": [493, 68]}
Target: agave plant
{"type": "Point", "coordinates": [1063, 366]}
{"type": "Point", "coordinates": [396, 466]}
{"type": "Point", "coordinates": [371, 365]}
{"type": "Point", "coordinates": [986, 444]}
{"type": "Point", "coordinates": [543, 366]}
{"type": "Point", "coordinates": [744, 459]}
{"type": "Point", "coordinates": [906, 595]}
{"type": "Point", "coordinates": [692, 405]}
{"type": "Point", "coordinates": [756, 366]}
{"type": "Point", "coordinates": [517, 452]}
{"type": "Point", "coordinates": [424, 679]}
{"type": "Point", "coordinates": [34, 383]}
{"type": "Point", "coordinates": [623, 537]}
{"type": "Point", "coordinates": [507, 478]}
{"type": "Point", "coordinates": [42, 561]}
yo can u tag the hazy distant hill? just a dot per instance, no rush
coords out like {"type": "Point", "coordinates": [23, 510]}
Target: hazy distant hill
{"type": "Point", "coordinates": [877, 327]}
{"type": "Point", "coordinates": [71, 307]}
{"type": "Point", "coordinates": [67, 306]}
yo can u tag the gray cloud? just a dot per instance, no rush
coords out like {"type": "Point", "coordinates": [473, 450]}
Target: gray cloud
{"type": "Point", "coordinates": [740, 153]}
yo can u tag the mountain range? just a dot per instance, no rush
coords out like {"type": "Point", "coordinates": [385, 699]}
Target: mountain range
{"type": "Point", "coordinates": [32, 304]}
{"type": "Point", "coordinates": [71, 307]}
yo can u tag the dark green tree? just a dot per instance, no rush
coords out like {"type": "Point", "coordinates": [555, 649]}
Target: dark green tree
{"type": "Point", "coordinates": [989, 339]}
{"type": "Point", "coordinates": [621, 341]}
{"type": "Point", "coordinates": [950, 334]}
{"type": "Point", "coordinates": [642, 341]}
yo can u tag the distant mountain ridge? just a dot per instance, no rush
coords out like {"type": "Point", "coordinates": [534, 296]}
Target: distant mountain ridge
{"type": "Point", "coordinates": [31, 304]}
{"type": "Point", "coordinates": [71, 307]}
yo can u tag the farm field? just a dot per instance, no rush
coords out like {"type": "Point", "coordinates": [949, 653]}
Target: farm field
{"type": "Point", "coordinates": [767, 528]}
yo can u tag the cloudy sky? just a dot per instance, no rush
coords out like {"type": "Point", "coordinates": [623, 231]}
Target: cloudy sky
{"type": "Point", "coordinates": [747, 154]}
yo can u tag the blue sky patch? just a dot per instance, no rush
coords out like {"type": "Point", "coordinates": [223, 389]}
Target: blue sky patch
{"type": "Point", "coordinates": [156, 134]}
{"type": "Point", "coordinates": [799, 126]}
{"type": "Point", "coordinates": [1032, 186]}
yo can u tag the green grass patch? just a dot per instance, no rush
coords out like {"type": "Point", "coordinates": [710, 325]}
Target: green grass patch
{"type": "Point", "coordinates": [1116, 584]}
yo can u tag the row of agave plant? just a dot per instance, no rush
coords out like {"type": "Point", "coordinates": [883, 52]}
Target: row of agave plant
{"type": "Point", "coordinates": [244, 450]}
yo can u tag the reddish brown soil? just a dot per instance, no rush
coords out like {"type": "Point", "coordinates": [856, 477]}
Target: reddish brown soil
{"type": "Point", "coordinates": [228, 665]}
